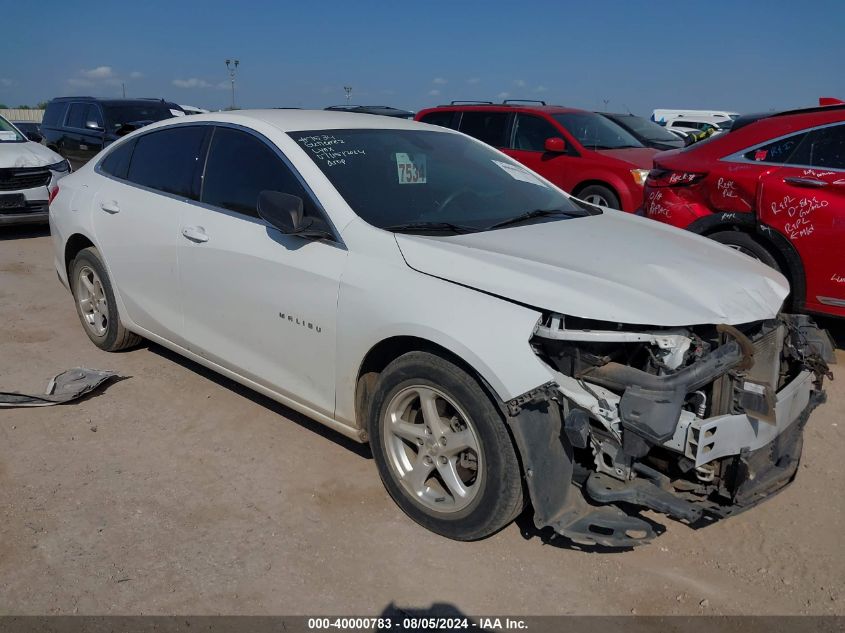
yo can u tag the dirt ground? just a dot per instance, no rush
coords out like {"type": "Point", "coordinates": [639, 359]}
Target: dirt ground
{"type": "Point", "coordinates": [178, 491]}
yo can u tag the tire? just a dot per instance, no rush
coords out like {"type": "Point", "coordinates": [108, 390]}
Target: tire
{"type": "Point", "coordinates": [94, 299]}
{"type": "Point", "coordinates": [599, 195]}
{"type": "Point", "coordinates": [746, 244]}
{"type": "Point", "coordinates": [465, 417]}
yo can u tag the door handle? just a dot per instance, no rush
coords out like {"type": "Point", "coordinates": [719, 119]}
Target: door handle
{"type": "Point", "coordinates": [811, 183]}
{"type": "Point", "coordinates": [195, 233]}
{"type": "Point", "coordinates": [110, 206]}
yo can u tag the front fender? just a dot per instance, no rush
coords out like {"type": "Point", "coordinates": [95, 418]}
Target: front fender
{"type": "Point", "coordinates": [381, 297]}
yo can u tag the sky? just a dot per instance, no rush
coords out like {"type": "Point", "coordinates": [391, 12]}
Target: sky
{"type": "Point", "coordinates": [635, 56]}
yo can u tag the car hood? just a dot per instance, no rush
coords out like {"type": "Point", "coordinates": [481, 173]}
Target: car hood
{"type": "Point", "coordinates": [610, 267]}
{"type": "Point", "coordinates": [27, 154]}
{"type": "Point", "coordinates": [636, 156]}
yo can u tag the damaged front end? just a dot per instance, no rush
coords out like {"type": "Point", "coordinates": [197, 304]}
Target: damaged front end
{"type": "Point", "coordinates": [695, 422]}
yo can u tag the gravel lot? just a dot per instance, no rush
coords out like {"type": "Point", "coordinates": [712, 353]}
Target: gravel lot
{"type": "Point", "coordinates": [178, 491]}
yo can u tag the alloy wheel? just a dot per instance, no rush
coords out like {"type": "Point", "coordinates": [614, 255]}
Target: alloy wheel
{"type": "Point", "coordinates": [432, 449]}
{"type": "Point", "coordinates": [91, 298]}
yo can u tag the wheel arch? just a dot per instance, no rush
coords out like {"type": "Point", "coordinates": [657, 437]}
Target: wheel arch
{"type": "Point", "coordinates": [74, 244]}
{"type": "Point", "coordinates": [389, 349]}
{"type": "Point", "coordinates": [770, 238]}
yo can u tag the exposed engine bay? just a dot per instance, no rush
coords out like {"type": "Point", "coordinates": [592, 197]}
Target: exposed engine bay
{"type": "Point", "coordinates": [697, 423]}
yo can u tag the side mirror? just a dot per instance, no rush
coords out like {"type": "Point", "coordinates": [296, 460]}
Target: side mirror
{"type": "Point", "coordinates": [285, 213]}
{"type": "Point", "coordinates": [555, 145]}
{"type": "Point", "coordinates": [35, 137]}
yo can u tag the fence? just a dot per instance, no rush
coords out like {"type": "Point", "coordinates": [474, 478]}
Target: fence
{"type": "Point", "coordinates": [18, 114]}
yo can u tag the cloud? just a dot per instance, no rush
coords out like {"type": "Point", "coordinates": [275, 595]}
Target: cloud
{"type": "Point", "coordinates": [519, 83]}
{"type": "Point", "coordinates": [433, 93]}
{"type": "Point", "coordinates": [193, 82]}
{"type": "Point", "coordinates": [439, 81]}
{"type": "Point", "coordinates": [540, 88]}
{"type": "Point", "coordinates": [135, 74]}
{"type": "Point", "coordinates": [473, 80]}
{"type": "Point", "coordinates": [100, 72]}
{"type": "Point", "coordinates": [503, 95]}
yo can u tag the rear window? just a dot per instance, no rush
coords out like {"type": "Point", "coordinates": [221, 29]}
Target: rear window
{"type": "Point", "coordinates": [117, 162]}
{"type": "Point", "coordinates": [167, 160]}
{"type": "Point", "coordinates": [55, 114]}
{"type": "Point", "coordinates": [489, 127]}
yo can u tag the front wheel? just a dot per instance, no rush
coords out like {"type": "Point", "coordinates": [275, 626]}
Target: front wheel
{"type": "Point", "coordinates": [95, 303]}
{"type": "Point", "coordinates": [442, 449]}
{"type": "Point", "coordinates": [600, 195]}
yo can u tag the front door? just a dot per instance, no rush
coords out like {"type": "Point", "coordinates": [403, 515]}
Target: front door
{"type": "Point", "coordinates": [529, 148]}
{"type": "Point", "coordinates": [256, 301]}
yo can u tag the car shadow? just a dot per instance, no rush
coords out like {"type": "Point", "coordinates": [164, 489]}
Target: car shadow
{"type": "Point", "coordinates": [836, 327]}
{"type": "Point", "coordinates": [24, 231]}
{"type": "Point", "coordinates": [362, 450]}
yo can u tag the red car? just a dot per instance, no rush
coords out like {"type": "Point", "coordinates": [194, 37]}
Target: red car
{"type": "Point", "coordinates": [774, 188]}
{"type": "Point", "coordinates": [581, 152]}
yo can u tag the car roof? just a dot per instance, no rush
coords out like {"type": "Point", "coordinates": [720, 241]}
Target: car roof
{"type": "Point", "coordinates": [480, 106]}
{"type": "Point", "coordinates": [110, 101]}
{"type": "Point", "coordinates": [301, 120]}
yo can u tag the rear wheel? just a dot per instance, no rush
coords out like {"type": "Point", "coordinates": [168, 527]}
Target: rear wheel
{"type": "Point", "coordinates": [599, 195]}
{"type": "Point", "coordinates": [442, 449]}
{"type": "Point", "coordinates": [746, 244]}
{"type": "Point", "coordinates": [95, 304]}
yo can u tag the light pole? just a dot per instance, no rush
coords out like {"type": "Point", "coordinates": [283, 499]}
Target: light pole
{"type": "Point", "coordinates": [348, 91]}
{"type": "Point", "coordinates": [232, 67]}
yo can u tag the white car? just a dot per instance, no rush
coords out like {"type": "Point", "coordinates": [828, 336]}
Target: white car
{"type": "Point", "coordinates": [494, 339]}
{"type": "Point", "coordinates": [28, 173]}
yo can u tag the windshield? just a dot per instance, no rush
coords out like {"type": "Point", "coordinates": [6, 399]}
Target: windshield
{"type": "Point", "coordinates": [441, 180]}
{"type": "Point", "coordinates": [136, 114]}
{"type": "Point", "coordinates": [594, 131]}
{"type": "Point", "coordinates": [9, 133]}
{"type": "Point", "coordinates": [648, 129]}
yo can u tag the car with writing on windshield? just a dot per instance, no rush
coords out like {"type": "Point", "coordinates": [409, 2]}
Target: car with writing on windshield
{"type": "Point", "coordinates": [773, 187]}
{"type": "Point", "coordinates": [79, 127]}
{"type": "Point", "coordinates": [495, 340]}
{"type": "Point", "coordinates": [582, 152]}
{"type": "Point", "coordinates": [29, 173]}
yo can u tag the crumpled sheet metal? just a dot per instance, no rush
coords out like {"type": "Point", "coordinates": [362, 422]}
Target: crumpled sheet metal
{"type": "Point", "coordinates": [64, 387]}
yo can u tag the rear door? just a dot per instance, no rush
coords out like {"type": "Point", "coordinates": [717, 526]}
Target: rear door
{"type": "Point", "coordinates": [137, 213]}
{"type": "Point", "coordinates": [528, 146]}
{"type": "Point", "coordinates": [256, 301]}
{"type": "Point", "coordinates": [804, 199]}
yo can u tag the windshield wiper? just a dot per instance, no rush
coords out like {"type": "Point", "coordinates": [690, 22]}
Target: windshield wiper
{"type": "Point", "coordinates": [535, 213]}
{"type": "Point", "coordinates": [434, 227]}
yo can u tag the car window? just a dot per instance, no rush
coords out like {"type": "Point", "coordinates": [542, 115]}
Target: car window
{"type": "Point", "coordinates": [54, 114]}
{"type": "Point", "coordinates": [94, 116]}
{"type": "Point", "coordinates": [647, 129]}
{"type": "Point", "coordinates": [441, 118]}
{"type": "Point", "coordinates": [133, 116]}
{"type": "Point", "coordinates": [594, 131]}
{"type": "Point", "coordinates": [239, 167]}
{"type": "Point", "coordinates": [779, 151]}
{"type": "Point", "coordinates": [531, 133]}
{"type": "Point", "coordinates": [76, 115]}
{"type": "Point", "coordinates": [489, 127]}
{"type": "Point", "coordinates": [116, 163]}
{"type": "Point", "coordinates": [825, 148]}
{"type": "Point", "coordinates": [166, 160]}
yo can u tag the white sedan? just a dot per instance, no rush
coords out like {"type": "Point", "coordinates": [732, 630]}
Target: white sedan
{"type": "Point", "coordinates": [495, 340]}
